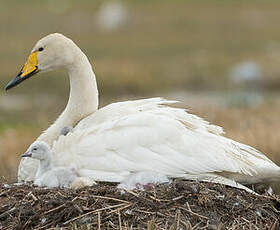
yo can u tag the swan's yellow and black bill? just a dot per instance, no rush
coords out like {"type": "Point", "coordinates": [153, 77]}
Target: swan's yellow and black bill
{"type": "Point", "coordinates": [29, 69]}
{"type": "Point", "coordinates": [26, 154]}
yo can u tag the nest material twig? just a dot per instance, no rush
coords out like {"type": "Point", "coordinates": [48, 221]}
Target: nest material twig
{"type": "Point", "coordinates": [180, 205]}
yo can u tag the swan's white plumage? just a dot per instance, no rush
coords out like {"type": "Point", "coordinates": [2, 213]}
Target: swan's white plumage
{"type": "Point", "coordinates": [110, 145]}
{"type": "Point", "coordinates": [121, 139]}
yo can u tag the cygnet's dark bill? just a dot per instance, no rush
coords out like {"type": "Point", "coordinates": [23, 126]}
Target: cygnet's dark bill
{"type": "Point", "coordinates": [27, 154]}
{"type": "Point", "coordinates": [29, 69]}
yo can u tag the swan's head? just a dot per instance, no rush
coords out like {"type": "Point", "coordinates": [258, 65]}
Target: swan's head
{"type": "Point", "coordinates": [51, 52]}
{"type": "Point", "coordinates": [39, 150]}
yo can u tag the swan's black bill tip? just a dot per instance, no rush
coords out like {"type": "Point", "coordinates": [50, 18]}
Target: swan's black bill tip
{"type": "Point", "coordinates": [13, 83]}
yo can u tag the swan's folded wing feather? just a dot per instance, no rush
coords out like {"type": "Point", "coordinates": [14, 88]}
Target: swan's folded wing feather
{"type": "Point", "coordinates": [158, 139]}
{"type": "Point", "coordinates": [157, 106]}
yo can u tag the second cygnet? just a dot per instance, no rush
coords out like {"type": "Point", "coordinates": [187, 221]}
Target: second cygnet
{"type": "Point", "coordinates": [65, 130]}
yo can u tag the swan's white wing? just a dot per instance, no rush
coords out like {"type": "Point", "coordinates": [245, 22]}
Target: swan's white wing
{"type": "Point", "coordinates": [156, 105]}
{"type": "Point", "coordinates": [159, 138]}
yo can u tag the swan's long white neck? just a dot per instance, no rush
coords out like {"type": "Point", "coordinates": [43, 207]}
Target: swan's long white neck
{"type": "Point", "coordinates": [83, 99]}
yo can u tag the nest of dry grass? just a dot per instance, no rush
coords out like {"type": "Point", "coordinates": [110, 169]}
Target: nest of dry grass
{"type": "Point", "coordinates": [180, 205]}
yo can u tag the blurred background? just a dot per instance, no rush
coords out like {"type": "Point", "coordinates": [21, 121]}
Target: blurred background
{"type": "Point", "coordinates": [220, 58]}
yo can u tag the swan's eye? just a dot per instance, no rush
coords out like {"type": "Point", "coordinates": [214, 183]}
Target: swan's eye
{"type": "Point", "coordinates": [41, 49]}
{"type": "Point", "coordinates": [34, 149]}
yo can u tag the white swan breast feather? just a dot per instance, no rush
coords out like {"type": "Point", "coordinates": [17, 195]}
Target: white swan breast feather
{"type": "Point", "coordinates": [141, 135]}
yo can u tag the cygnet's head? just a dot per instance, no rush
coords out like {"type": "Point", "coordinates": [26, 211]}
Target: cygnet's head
{"type": "Point", "coordinates": [39, 150]}
{"type": "Point", "coordinates": [51, 52]}
{"type": "Point", "coordinates": [65, 130]}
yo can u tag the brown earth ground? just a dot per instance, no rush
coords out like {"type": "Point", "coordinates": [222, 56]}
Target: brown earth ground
{"type": "Point", "coordinates": [179, 205]}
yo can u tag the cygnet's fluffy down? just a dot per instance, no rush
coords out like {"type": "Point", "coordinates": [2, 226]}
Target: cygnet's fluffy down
{"type": "Point", "coordinates": [50, 176]}
{"type": "Point", "coordinates": [65, 130]}
{"type": "Point", "coordinates": [57, 177]}
{"type": "Point", "coordinates": [140, 180]}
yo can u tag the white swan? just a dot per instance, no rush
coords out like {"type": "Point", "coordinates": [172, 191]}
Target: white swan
{"type": "Point", "coordinates": [48, 174]}
{"type": "Point", "coordinates": [121, 139]}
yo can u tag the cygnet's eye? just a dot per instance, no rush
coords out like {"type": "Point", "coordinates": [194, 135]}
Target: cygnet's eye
{"type": "Point", "coordinates": [41, 49]}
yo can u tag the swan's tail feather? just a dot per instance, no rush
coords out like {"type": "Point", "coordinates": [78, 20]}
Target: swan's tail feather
{"type": "Point", "coordinates": [218, 180]}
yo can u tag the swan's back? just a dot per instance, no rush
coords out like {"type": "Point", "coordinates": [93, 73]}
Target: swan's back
{"type": "Point", "coordinates": [160, 106]}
